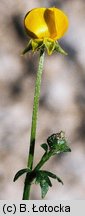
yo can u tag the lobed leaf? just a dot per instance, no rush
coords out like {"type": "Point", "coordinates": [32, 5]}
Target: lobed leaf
{"type": "Point", "coordinates": [44, 181]}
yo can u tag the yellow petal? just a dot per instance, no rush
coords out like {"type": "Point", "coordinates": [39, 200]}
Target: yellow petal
{"type": "Point", "coordinates": [44, 23]}
{"type": "Point", "coordinates": [61, 22]}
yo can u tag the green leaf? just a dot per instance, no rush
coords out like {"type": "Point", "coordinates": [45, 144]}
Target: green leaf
{"type": "Point", "coordinates": [48, 180]}
{"type": "Point", "coordinates": [59, 180]}
{"type": "Point", "coordinates": [44, 146]}
{"type": "Point", "coordinates": [21, 172]}
{"type": "Point", "coordinates": [42, 175]}
{"type": "Point", "coordinates": [44, 188]}
{"type": "Point", "coordinates": [52, 175]}
{"type": "Point", "coordinates": [38, 177]}
{"type": "Point", "coordinates": [42, 178]}
{"type": "Point", "coordinates": [44, 181]}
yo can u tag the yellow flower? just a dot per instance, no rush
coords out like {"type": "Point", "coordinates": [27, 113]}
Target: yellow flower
{"type": "Point", "coordinates": [45, 26]}
{"type": "Point", "coordinates": [43, 23]}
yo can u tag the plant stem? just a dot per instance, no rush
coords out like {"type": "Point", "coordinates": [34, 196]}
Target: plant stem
{"type": "Point", "coordinates": [29, 178]}
{"type": "Point", "coordinates": [43, 160]}
{"type": "Point", "coordinates": [27, 184]}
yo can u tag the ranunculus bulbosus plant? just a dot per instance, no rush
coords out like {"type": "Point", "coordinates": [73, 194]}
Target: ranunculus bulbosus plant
{"type": "Point", "coordinates": [44, 26]}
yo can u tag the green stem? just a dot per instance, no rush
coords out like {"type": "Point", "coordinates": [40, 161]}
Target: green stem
{"type": "Point", "coordinates": [31, 177]}
{"type": "Point", "coordinates": [27, 184]}
{"type": "Point", "coordinates": [43, 160]}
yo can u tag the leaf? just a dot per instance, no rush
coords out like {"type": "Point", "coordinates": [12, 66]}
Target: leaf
{"type": "Point", "coordinates": [45, 147]}
{"type": "Point", "coordinates": [44, 181]}
{"type": "Point", "coordinates": [44, 188]}
{"type": "Point", "coordinates": [48, 181]}
{"type": "Point", "coordinates": [59, 180]}
{"type": "Point", "coordinates": [42, 175]}
{"type": "Point", "coordinates": [42, 178]}
{"type": "Point", "coordinates": [21, 172]}
{"type": "Point", "coordinates": [52, 175]}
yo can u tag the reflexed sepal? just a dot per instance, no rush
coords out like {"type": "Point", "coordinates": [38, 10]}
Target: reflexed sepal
{"type": "Point", "coordinates": [33, 45]}
{"type": "Point", "coordinates": [59, 49]}
{"type": "Point", "coordinates": [49, 44]}
{"type": "Point", "coordinates": [28, 47]}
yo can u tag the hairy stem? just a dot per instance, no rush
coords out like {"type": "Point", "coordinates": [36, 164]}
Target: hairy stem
{"type": "Point", "coordinates": [27, 184]}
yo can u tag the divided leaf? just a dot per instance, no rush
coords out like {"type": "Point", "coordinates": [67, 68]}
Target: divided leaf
{"type": "Point", "coordinates": [42, 178]}
{"type": "Point", "coordinates": [44, 181]}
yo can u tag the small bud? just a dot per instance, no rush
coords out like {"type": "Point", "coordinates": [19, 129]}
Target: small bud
{"type": "Point", "coordinates": [57, 143]}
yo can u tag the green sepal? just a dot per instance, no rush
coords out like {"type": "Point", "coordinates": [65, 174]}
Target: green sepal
{"type": "Point", "coordinates": [59, 49]}
{"type": "Point", "coordinates": [28, 47]}
{"type": "Point", "coordinates": [45, 147]}
{"type": "Point", "coordinates": [20, 173]}
{"type": "Point", "coordinates": [36, 44]}
{"type": "Point", "coordinates": [49, 45]}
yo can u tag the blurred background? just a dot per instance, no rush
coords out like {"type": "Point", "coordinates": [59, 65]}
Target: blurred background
{"type": "Point", "coordinates": [62, 101]}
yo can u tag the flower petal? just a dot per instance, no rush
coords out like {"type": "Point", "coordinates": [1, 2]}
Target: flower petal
{"type": "Point", "coordinates": [61, 22]}
{"type": "Point", "coordinates": [35, 23]}
{"type": "Point", "coordinates": [44, 23]}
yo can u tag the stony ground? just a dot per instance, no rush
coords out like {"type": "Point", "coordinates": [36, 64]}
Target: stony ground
{"type": "Point", "coordinates": [62, 102]}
